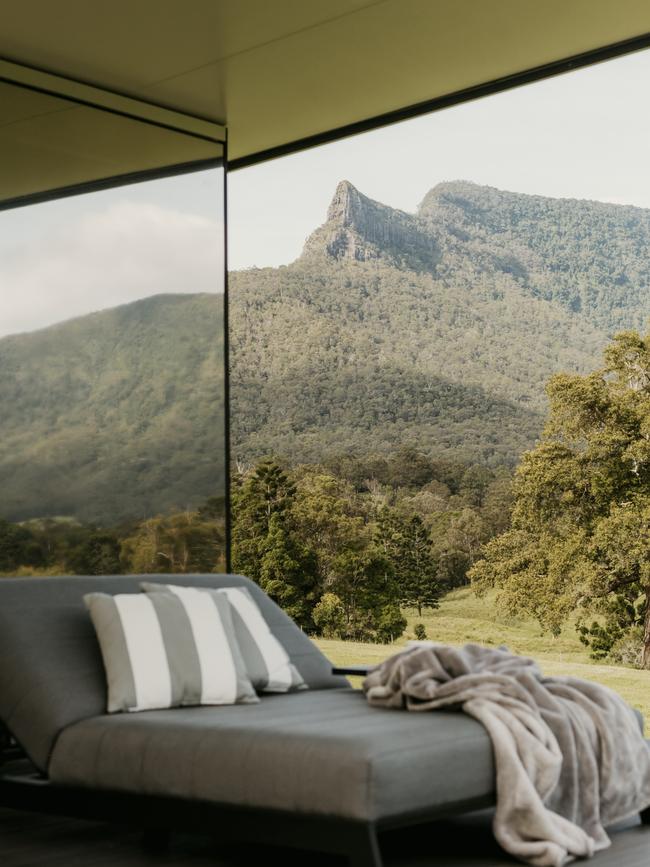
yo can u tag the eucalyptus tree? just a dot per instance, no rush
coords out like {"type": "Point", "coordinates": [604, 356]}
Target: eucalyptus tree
{"type": "Point", "coordinates": [580, 535]}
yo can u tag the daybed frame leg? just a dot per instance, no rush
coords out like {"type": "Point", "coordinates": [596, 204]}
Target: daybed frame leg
{"type": "Point", "coordinates": [364, 848]}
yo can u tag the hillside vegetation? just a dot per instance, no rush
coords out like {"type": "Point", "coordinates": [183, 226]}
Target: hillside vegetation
{"type": "Point", "coordinates": [436, 330]}
{"type": "Point", "coordinates": [117, 415]}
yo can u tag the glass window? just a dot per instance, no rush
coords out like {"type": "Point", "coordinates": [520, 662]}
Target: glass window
{"type": "Point", "coordinates": [112, 448]}
{"type": "Point", "coordinates": [409, 308]}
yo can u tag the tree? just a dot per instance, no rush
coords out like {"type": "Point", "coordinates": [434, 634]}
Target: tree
{"type": "Point", "coordinates": [18, 547]}
{"type": "Point", "coordinates": [474, 485]}
{"type": "Point", "coordinates": [420, 632]}
{"type": "Point", "coordinates": [466, 533]}
{"type": "Point", "coordinates": [337, 525]}
{"type": "Point", "coordinates": [409, 468]}
{"type": "Point", "coordinates": [256, 496]}
{"type": "Point", "coordinates": [453, 566]}
{"type": "Point", "coordinates": [213, 509]}
{"type": "Point", "coordinates": [99, 554]}
{"type": "Point", "coordinates": [266, 545]}
{"type": "Point", "coordinates": [329, 616]}
{"type": "Point", "coordinates": [406, 543]}
{"type": "Point", "coordinates": [176, 543]}
{"type": "Point", "coordinates": [286, 572]}
{"type": "Point", "coordinates": [580, 536]}
{"type": "Point", "coordinates": [390, 624]}
{"type": "Point", "coordinates": [363, 581]}
{"type": "Point", "coordinates": [497, 504]}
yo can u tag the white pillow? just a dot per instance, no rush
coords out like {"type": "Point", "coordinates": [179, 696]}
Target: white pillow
{"type": "Point", "coordinates": [267, 662]}
{"type": "Point", "coordinates": [163, 650]}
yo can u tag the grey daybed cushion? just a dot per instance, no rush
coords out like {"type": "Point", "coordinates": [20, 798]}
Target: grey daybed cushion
{"type": "Point", "coordinates": [324, 752]}
{"type": "Point", "coordinates": [51, 672]}
{"type": "Point", "coordinates": [166, 650]}
{"type": "Point", "coordinates": [267, 662]}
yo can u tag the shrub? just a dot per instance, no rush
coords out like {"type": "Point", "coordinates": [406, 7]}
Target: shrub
{"type": "Point", "coordinates": [420, 632]}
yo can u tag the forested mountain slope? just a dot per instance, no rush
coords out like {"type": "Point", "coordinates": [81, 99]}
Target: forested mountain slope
{"type": "Point", "coordinates": [590, 257]}
{"type": "Point", "coordinates": [437, 329]}
{"type": "Point", "coordinates": [116, 415]}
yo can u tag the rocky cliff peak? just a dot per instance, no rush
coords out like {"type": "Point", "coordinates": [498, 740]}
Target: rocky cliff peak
{"type": "Point", "coordinates": [347, 203]}
{"type": "Point", "coordinates": [361, 229]}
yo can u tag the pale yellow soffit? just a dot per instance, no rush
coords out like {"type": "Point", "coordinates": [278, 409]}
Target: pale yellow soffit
{"type": "Point", "coordinates": [276, 72]}
{"type": "Point", "coordinates": [95, 97]}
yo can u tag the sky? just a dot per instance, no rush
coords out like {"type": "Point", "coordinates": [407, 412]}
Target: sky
{"type": "Point", "coordinates": [85, 253]}
{"type": "Point", "coordinates": [585, 134]}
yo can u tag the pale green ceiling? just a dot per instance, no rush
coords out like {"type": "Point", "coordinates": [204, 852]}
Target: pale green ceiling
{"type": "Point", "coordinates": [48, 143]}
{"type": "Point", "coordinates": [277, 71]}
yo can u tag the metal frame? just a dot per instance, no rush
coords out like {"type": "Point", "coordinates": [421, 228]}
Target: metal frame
{"type": "Point", "coordinates": [111, 101]}
{"type": "Point", "coordinates": [226, 367]}
{"type": "Point", "coordinates": [351, 670]}
{"type": "Point", "coordinates": [159, 817]}
{"type": "Point", "coordinates": [112, 182]}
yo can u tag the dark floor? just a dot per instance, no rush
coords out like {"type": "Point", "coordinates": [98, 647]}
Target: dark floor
{"type": "Point", "coordinates": [27, 840]}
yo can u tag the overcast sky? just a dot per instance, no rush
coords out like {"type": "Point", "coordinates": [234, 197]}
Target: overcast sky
{"type": "Point", "coordinates": [73, 256]}
{"type": "Point", "coordinates": [581, 135]}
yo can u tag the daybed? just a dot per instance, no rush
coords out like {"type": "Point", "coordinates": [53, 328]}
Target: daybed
{"type": "Point", "coordinates": [317, 769]}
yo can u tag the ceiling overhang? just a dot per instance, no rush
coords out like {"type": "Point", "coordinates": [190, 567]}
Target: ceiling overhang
{"type": "Point", "coordinates": [91, 91]}
{"type": "Point", "coordinates": [59, 136]}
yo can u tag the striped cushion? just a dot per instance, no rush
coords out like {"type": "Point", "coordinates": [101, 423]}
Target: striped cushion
{"type": "Point", "coordinates": [267, 662]}
{"type": "Point", "coordinates": [163, 651]}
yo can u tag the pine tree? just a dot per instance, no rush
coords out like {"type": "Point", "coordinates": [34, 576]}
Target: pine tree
{"type": "Point", "coordinates": [287, 573]}
{"type": "Point", "coordinates": [266, 546]}
{"type": "Point", "coordinates": [407, 545]}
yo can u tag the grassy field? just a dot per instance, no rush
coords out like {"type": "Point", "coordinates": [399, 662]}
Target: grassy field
{"type": "Point", "coordinates": [463, 617]}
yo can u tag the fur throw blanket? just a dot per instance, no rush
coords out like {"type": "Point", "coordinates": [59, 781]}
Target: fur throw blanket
{"type": "Point", "coordinates": [569, 754]}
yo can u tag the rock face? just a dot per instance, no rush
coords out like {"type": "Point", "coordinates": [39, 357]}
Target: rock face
{"type": "Point", "coordinates": [361, 229]}
{"type": "Point", "coordinates": [586, 256]}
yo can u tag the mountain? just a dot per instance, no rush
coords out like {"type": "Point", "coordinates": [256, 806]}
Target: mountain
{"type": "Point", "coordinates": [589, 257]}
{"type": "Point", "coordinates": [437, 329]}
{"type": "Point", "coordinates": [116, 415]}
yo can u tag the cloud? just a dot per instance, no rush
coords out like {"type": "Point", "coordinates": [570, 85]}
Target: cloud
{"type": "Point", "coordinates": [104, 258]}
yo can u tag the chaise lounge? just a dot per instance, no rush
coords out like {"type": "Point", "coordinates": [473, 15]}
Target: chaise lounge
{"type": "Point", "coordinates": [316, 769]}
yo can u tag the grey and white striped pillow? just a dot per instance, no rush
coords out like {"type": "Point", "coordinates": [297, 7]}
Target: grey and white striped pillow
{"type": "Point", "coordinates": [163, 650]}
{"type": "Point", "coordinates": [267, 662]}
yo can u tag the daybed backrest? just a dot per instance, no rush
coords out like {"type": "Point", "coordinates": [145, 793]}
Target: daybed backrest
{"type": "Point", "coordinates": [51, 672]}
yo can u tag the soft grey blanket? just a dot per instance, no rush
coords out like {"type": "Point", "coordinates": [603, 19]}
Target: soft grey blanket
{"type": "Point", "coordinates": [569, 754]}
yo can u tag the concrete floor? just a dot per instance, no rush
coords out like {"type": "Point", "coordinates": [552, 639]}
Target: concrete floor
{"type": "Point", "coordinates": [28, 840]}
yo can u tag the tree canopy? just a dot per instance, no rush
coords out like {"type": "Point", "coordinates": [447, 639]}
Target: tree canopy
{"type": "Point", "coordinates": [579, 543]}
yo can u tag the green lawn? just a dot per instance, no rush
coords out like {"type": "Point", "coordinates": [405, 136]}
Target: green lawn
{"type": "Point", "coordinates": [463, 617]}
